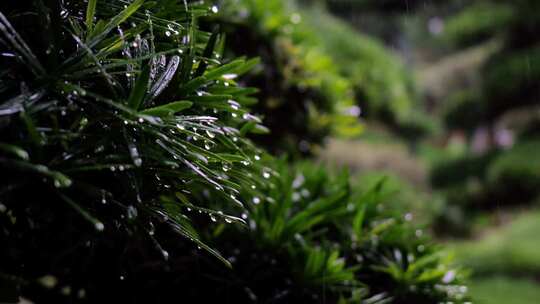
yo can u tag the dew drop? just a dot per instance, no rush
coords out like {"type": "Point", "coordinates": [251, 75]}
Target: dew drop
{"type": "Point", "coordinates": [99, 226]}
{"type": "Point", "coordinates": [256, 200]}
{"type": "Point", "coordinates": [151, 229]}
{"type": "Point", "coordinates": [99, 149]}
{"type": "Point", "coordinates": [210, 134]}
{"type": "Point", "coordinates": [62, 181]}
{"type": "Point", "coordinates": [103, 197]}
{"type": "Point", "coordinates": [132, 212]}
{"type": "Point", "coordinates": [229, 76]}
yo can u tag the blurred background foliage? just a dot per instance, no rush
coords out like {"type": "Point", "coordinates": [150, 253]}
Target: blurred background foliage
{"type": "Point", "coordinates": [475, 66]}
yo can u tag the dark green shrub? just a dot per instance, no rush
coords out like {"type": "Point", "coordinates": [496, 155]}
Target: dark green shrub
{"type": "Point", "coordinates": [530, 131]}
{"type": "Point", "coordinates": [341, 244]}
{"type": "Point", "coordinates": [509, 80]}
{"type": "Point", "coordinates": [464, 110]}
{"type": "Point", "coordinates": [471, 185]}
{"type": "Point", "coordinates": [458, 171]}
{"type": "Point", "coordinates": [514, 176]}
{"type": "Point", "coordinates": [111, 120]}
{"type": "Point", "coordinates": [508, 76]}
{"type": "Point", "coordinates": [384, 88]}
{"type": "Point", "coordinates": [478, 22]}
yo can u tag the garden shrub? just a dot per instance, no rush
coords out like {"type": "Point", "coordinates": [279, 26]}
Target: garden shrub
{"type": "Point", "coordinates": [403, 196]}
{"type": "Point", "coordinates": [333, 241]}
{"type": "Point", "coordinates": [107, 115]}
{"type": "Point", "coordinates": [508, 74]}
{"type": "Point", "coordinates": [383, 87]}
{"type": "Point", "coordinates": [459, 170]}
{"type": "Point", "coordinates": [509, 80]}
{"type": "Point", "coordinates": [514, 176]}
{"type": "Point", "coordinates": [478, 22]}
{"type": "Point", "coordinates": [295, 76]}
{"type": "Point", "coordinates": [495, 180]}
{"type": "Point", "coordinates": [464, 110]}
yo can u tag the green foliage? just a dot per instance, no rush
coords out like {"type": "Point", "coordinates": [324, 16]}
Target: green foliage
{"type": "Point", "coordinates": [464, 110]}
{"type": "Point", "coordinates": [508, 76]}
{"type": "Point", "coordinates": [509, 250]}
{"type": "Point", "coordinates": [504, 290]}
{"type": "Point", "coordinates": [344, 241]}
{"type": "Point", "coordinates": [388, 6]}
{"type": "Point", "coordinates": [295, 76]}
{"type": "Point", "coordinates": [122, 120]}
{"type": "Point", "coordinates": [495, 180]}
{"type": "Point", "coordinates": [478, 22]}
{"type": "Point", "coordinates": [515, 175]}
{"type": "Point", "coordinates": [383, 86]}
{"type": "Point", "coordinates": [510, 80]}
{"type": "Point", "coordinates": [121, 130]}
{"type": "Point", "coordinates": [458, 170]}
{"type": "Point", "coordinates": [405, 197]}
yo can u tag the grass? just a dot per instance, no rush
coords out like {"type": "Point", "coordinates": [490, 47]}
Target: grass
{"type": "Point", "coordinates": [504, 262]}
{"type": "Point", "coordinates": [504, 290]}
{"type": "Point", "coordinates": [512, 249]}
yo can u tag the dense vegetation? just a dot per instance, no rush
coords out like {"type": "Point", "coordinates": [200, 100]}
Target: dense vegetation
{"type": "Point", "coordinates": [129, 172]}
{"type": "Point", "coordinates": [476, 65]}
{"type": "Point", "coordinates": [504, 108]}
